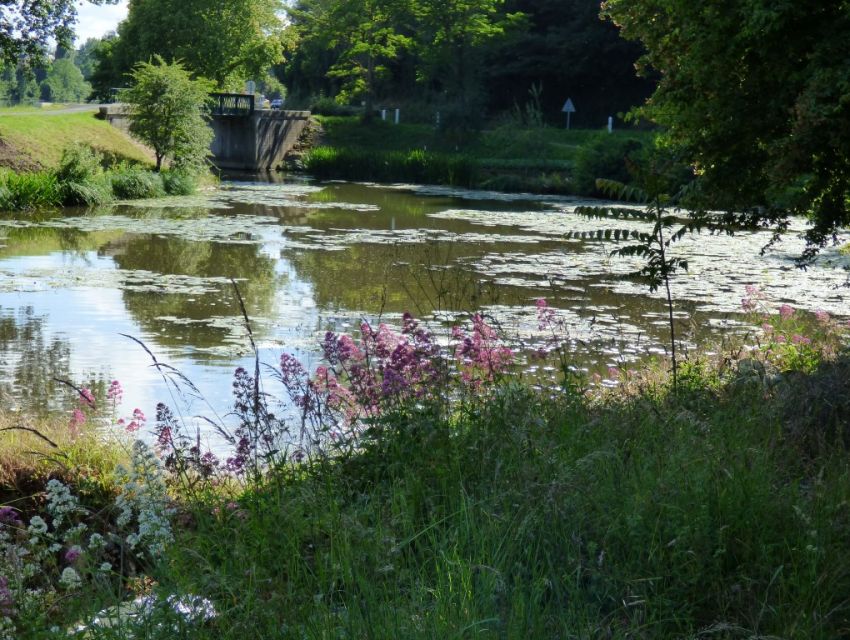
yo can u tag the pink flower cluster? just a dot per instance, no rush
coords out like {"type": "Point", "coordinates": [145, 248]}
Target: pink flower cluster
{"type": "Point", "coordinates": [384, 369]}
{"type": "Point", "coordinates": [481, 357]}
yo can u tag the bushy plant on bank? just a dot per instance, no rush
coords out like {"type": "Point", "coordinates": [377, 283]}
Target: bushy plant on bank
{"type": "Point", "coordinates": [81, 180]}
{"type": "Point", "coordinates": [419, 491]}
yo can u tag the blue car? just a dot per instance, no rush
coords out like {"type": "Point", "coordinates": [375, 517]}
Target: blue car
{"type": "Point", "coordinates": [277, 103]}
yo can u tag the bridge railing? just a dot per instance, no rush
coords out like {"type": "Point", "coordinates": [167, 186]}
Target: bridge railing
{"type": "Point", "coordinates": [232, 104]}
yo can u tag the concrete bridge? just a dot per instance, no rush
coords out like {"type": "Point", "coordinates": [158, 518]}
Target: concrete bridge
{"type": "Point", "coordinates": [245, 139]}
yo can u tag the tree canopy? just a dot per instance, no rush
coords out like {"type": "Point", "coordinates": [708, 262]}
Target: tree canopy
{"type": "Point", "coordinates": [756, 93]}
{"type": "Point", "coordinates": [166, 109]}
{"type": "Point", "coordinates": [27, 27]}
{"type": "Point", "coordinates": [464, 56]}
{"type": "Point", "coordinates": [228, 42]}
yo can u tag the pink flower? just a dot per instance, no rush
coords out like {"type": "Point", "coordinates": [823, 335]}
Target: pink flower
{"type": "Point", "coordinates": [798, 339]}
{"type": "Point", "coordinates": [115, 392]}
{"type": "Point", "coordinates": [137, 422]}
{"type": "Point", "coordinates": [87, 396]}
{"type": "Point", "coordinates": [786, 311]}
{"type": "Point", "coordinates": [545, 315]}
{"type": "Point", "coordinates": [78, 418]}
{"type": "Point", "coordinates": [613, 373]}
{"type": "Point", "coordinates": [822, 316]}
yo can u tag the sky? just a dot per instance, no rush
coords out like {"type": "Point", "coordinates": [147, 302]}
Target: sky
{"type": "Point", "coordinates": [95, 21]}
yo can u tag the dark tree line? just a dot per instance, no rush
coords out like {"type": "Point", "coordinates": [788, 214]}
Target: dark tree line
{"type": "Point", "coordinates": [479, 56]}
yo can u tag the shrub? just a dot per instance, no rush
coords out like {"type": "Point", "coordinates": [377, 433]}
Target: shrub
{"type": "Point", "coordinates": [131, 183]}
{"type": "Point", "coordinates": [324, 106]}
{"type": "Point", "coordinates": [79, 163]}
{"type": "Point", "coordinates": [605, 156]}
{"type": "Point", "coordinates": [179, 183]}
{"type": "Point", "coordinates": [81, 177]}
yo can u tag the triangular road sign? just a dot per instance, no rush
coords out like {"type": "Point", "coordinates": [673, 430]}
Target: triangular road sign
{"type": "Point", "coordinates": [569, 107]}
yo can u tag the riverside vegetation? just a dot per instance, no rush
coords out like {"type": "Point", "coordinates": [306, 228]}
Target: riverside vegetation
{"type": "Point", "coordinates": [421, 491]}
{"type": "Point", "coordinates": [512, 156]}
{"type": "Point", "coordinates": [80, 179]}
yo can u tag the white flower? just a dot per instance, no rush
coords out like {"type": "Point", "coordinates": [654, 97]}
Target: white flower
{"type": "Point", "coordinates": [70, 579]}
{"type": "Point", "coordinates": [96, 542]}
{"type": "Point", "coordinates": [105, 567]}
{"type": "Point", "coordinates": [37, 526]}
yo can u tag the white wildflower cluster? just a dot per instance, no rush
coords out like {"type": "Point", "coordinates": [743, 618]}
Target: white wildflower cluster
{"type": "Point", "coordinates": [8, 630]}
{"type": "Point", "coordinates": [45, 555]}
{"type": "Point", "coordinates": [62, 505]}
{"type": "Point", "coordinates": [143, 502]}
{"type": "Point", "coordinates": [70, 579]}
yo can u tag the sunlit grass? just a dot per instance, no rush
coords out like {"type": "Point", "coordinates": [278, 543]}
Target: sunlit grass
{"type": "Point", "coordinates": [41, 138]}
{"type": "Point", "coordinates": [35, 448]}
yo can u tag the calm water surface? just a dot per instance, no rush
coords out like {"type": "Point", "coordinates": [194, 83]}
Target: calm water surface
{"type": "Point", "coordinates": [311, 257]}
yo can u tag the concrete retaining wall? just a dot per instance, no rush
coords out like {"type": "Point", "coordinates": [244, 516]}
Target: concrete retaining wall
{"type": "Point", "coordinates": [257, 142]}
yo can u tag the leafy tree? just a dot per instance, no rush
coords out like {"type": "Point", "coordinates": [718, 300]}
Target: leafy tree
{"type": "Point", "coordinates": [228, 42]}
{"type": "Point", "coordinates": [106, 75]}
{"type": "Point", "coordinates": [28, 26]}
{"type": "Point", "coordinates": [757, 95]}
{"type": "Point", "coordinates": [166, 108]}
{"type": "Point", "coordinates": [64, 83]}
{"type": "Point", "coordinates": [365, 34]}
{"type": "Point", "coordinates": [451, 36]}
{"type": "Point", "coordinates": [85, 57]}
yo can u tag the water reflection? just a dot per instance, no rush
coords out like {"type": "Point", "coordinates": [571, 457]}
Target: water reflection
{"type": "Point", "coordinates": [33, 360]}
{"type": "Point", "coordinates": [187, 318]}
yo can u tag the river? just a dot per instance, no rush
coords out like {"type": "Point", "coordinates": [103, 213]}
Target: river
{"type": "Point", "coordinates": [310, 257]}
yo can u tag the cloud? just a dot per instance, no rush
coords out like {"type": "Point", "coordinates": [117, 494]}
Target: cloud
{"type": "Point", "coordinates": [95, 21]}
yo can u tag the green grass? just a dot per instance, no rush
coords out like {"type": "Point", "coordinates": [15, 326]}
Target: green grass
{"type": "Point", "coordinates": [39, 138]}
{"type": "Point", "coordinates": [636, 516]}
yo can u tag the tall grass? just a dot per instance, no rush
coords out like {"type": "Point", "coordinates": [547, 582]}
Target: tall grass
{"type": "Point", "coordinates": [718, 510]}
{"type": "Point", "coordinates": [649, 516]}
{"type": "Point", "coordinates": [29, 191]}
{"type": "Point", "coordinates": [393, 166]}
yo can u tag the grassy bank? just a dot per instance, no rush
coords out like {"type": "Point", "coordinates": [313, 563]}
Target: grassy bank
{"type": "Point", "coordinates": [35, 140]}
{"type": "Point", "coordinates": [718, 510]}
{"type": "Point", "coordinates": [509, 158]}
{"type": "Point", "coordinates": [85, 177]}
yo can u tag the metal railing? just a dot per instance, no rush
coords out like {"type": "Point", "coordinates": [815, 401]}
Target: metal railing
{"type": "Point", "coordinates": [232, 104]}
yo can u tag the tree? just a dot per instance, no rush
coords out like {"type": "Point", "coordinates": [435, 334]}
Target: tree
{"type": "Point", "coordinates": [365, 34]}
{"type": "Point", "coordinates": [452, 33]}
{"type": "Point", "coordinates": [28, 26]}
{"type": "Point", "coordinates": [568, 51]}
{"type": "Point", "coordinates": [64, 83]}
{"type": "Point", "coordinates": [167, 112]}
{"type": "Point", "coordinates": [756, 93]}
{"type": "Point", "coordinates": [85, 57]}
{"type": "Point", "coordinates": [228, 42]}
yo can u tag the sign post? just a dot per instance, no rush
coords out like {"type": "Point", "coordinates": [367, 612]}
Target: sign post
{"type": "Point", "coordinates": [569, 109]}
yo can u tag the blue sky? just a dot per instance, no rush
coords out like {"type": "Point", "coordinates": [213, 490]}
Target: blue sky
{"type": "Point", "coordinates": [95, 21]}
